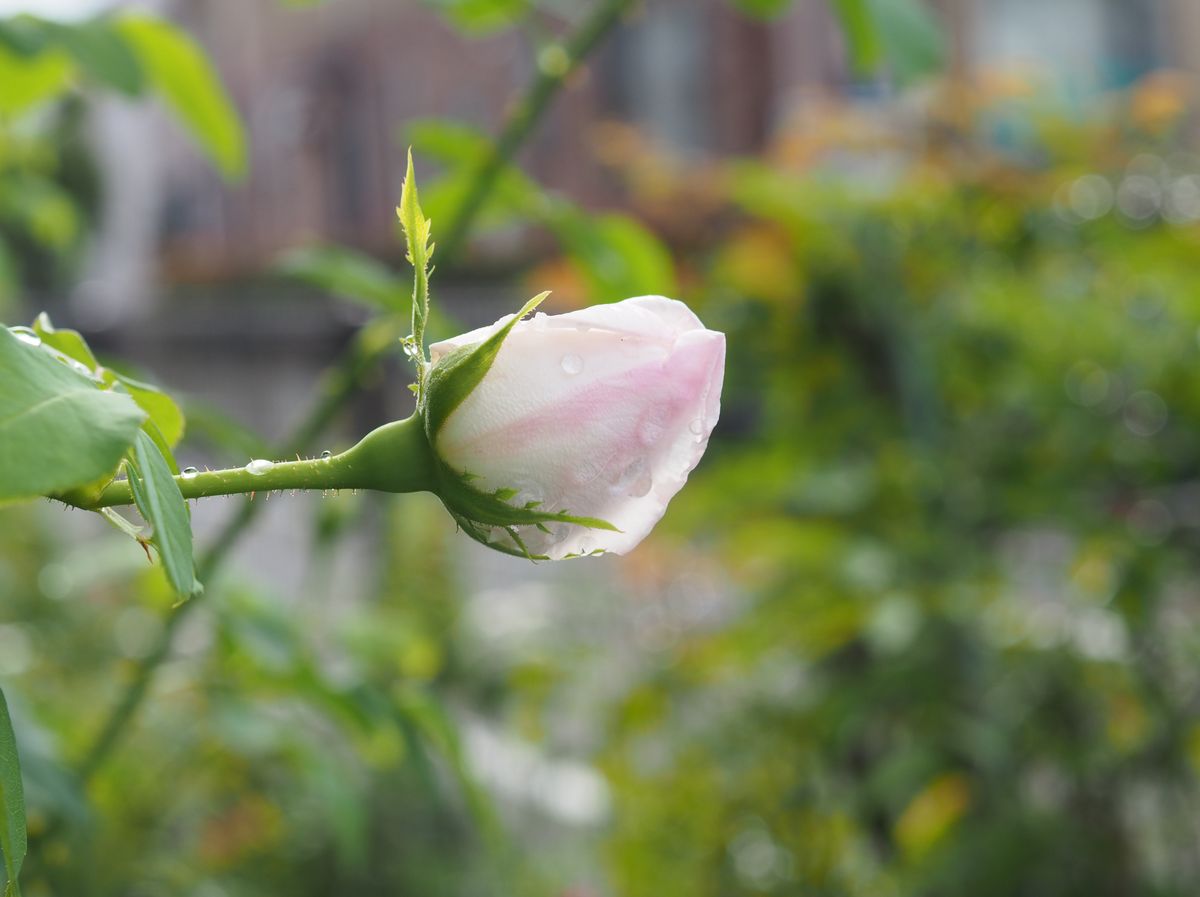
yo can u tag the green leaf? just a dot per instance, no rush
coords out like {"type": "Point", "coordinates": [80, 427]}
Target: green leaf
{"type": "Point", "coordinates": [178, 68]}
{"type": "Point", "coordinates": [160, 502]}
{"type": "Point", "coordinates": [416, 232]}
{"type": "Point", "coordinates": [904, 34]}
{"type": "Point", "coordinates": [101, 53]}
{"type": "Point", "coordinates": [862, 36]}
{"type": "Point", "coordinates": [463, 149]}
{"type": "Point", "coordinates": [763, 9]}
{"type": "Point", "coordinates": [57, 429]}
{"type": "Point", "coordinates": [165, 422]}
{"type": "Point", "coordinates": [70, 342]}
{"type": "Point", "coordinates": [346, 273]}
{"type": "Point", "coordinates": [617, 256]}
{"type": "Point", "coordinates": [415, 224]}
{"type": "Point", "coordinates": [43, 208]}
{"type": "Point", "coordinates": [30, 81]}
{"type": "Point", "coordinates": [12, 804]}
{"type": "Point", "coordinates": [164, 413]}
{"type": "Point", "coordinates": [421, 709]}
{"type": "Point", "coordinates": [482, 16]}
{"type": "Point", "coordinates": [913, 41]}
{"type": "Point", "coordinates": [24, 35]}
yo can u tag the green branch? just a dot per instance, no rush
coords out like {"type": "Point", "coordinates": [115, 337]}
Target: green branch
{"type": "Point", "coordinates": [555, 65]}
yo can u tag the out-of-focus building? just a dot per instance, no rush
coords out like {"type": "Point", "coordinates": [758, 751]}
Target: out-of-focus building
{"type": "Point", "coordinates": [326, 94]}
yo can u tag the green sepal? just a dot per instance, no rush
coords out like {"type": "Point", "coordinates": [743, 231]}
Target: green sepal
{"type": "Point", "coordinates": [490, 509]}
{"type": "Point", "coordinates": [481, 535]}
{"type": "Point", "coordinates": [456, 375]}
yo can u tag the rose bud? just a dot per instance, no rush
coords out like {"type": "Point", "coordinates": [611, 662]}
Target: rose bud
{"type": "Point", "coordinates": [567, 435]}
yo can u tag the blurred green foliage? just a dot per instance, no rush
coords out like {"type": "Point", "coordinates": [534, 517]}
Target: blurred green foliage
{"type": "Point", "coordinates": [923, 622]}
{"type": "Point", "coordinates": [49, 193]}
{"type": "Point", "coordinates": [957, 500]}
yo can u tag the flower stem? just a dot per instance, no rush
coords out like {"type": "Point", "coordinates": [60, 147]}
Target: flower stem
{"type": "Point", "coordinates": [393, 458]}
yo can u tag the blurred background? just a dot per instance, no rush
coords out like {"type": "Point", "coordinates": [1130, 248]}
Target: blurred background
{"type": "Point", "coordinates": [925, 621]}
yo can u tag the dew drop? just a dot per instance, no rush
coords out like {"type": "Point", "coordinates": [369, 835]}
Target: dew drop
{"type": "Point", "coordinates": [572, 364]}
{"type": "Point", "coordinates": [26, 335]}
{"type": "Point", "coordinates": [188, 473]}
{"type": "Point", "coordinates": [326, 455]}
{"type": "Point", "coordinates": [587, 472]}
{"type": "Point", "coordinates": [697, 427]}
{"type": "Point", "coordinates": [651, 431]}
{"type": "Point", "coordinates": [258, 467]}
{"type": "Point", "coordinates": [635, 475]}
{"type": "Point", "coordinates": [641, 486]}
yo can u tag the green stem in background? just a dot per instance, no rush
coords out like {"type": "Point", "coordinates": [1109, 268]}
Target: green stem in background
{"type": "Point", "coordinates": [393, 458]}
{"type": "Point", "coordinates": [555, 64]}
{"type": "Point", "coordinates": [373, 344]}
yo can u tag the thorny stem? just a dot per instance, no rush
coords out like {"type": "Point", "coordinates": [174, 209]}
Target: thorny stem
{"type": "Point", "coordinates": [393, 458]}
{"type": "Point", "coordinates": [365, 354]}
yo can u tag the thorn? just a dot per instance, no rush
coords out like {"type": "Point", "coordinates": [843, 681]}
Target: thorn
{"type": "Point", "coordinates": [146, 548]}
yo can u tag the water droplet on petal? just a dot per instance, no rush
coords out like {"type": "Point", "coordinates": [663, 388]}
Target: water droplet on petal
{"type": "Point", "coordinates": [587, 472]}
{"type": "Point", "coordinates": [697, 427]}
{"type": "Point", "coordinates": [26, 335]}
{"type": "Point", "coordinates": [258, 467]}
{"type": "Point", "coordinates": [652, 429]}
{"type": "Point", "coordinates": [572, 364]}
{"type": "Point", "coordinates": [326, 455]}
{"type": "Point", "coordinates": [633, 477]}
{"type": "Point", "coordinates": [651, 432]}
{"type": "Point", "coordinates": [188, 473]}
{"type": "Point", "coordinates": [641, 486]}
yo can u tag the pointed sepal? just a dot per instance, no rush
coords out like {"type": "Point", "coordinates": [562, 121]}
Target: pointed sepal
{"type": "Point", "coordinates": [456, 374]}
